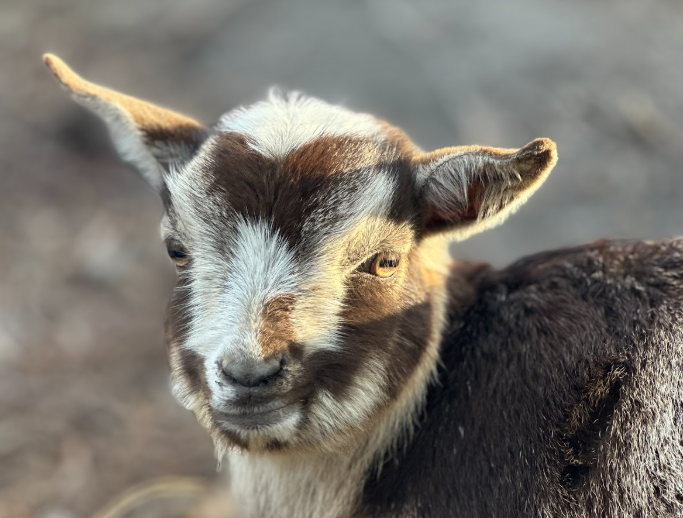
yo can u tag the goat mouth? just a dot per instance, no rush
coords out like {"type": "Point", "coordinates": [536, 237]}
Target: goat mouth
{"type": "Point", "coordinates": [253, 419]}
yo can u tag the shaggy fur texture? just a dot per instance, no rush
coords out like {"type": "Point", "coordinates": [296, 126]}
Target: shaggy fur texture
{"type": "Point", "coordinates": [560, 393]}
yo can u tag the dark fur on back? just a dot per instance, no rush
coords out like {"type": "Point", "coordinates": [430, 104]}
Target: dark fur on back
{"type": "Point", "coordinates": [560, 393]}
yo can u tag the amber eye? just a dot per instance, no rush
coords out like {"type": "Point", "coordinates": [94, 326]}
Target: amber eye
{"type": "Point", "coordinates": [384, 265]}
{"type": "Point", "coordinates": [177, 253]}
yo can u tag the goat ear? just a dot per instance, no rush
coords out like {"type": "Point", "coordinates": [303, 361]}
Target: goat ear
{"type": "Point", "coordinates": [147, 136]}
{"type": "Point", "coordinates": [471, 188]}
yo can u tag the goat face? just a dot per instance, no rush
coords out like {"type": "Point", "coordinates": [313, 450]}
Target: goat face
{"type": "Point", "coordinates": [306, 304]}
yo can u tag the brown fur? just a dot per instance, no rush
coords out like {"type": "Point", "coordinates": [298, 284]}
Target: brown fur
{"type": "Point", "coordinates": [276, 332]}
{"type": "Point", "coordinates": [330, 155]}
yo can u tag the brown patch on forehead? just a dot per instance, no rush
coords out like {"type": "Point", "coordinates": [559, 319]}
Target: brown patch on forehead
{"type": "Point", "coordinates": [276, 333]}
{"type": "Point", "coordinates": [330, 155]}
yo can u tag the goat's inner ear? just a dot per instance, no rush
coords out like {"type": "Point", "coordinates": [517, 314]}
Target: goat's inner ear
{"type": "Point", "coordinates": [149, 137]}
{"type": "Point", "coordinates": [468, 189]}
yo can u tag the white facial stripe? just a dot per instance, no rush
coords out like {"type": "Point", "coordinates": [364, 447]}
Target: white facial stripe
{"type": "Point", "coordinates": [228, 296]}
{"type": "Point", "coordinates": [285, 122]}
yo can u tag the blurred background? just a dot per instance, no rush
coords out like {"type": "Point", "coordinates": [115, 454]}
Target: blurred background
{"type": "Point", "coordinates": [85, 407]}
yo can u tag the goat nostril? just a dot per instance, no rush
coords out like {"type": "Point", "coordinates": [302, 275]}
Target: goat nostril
{"type": "Point", "coordinates": [252, 373]}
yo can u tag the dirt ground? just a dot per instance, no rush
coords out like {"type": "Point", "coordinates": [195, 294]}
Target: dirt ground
{"type": "Point", "coordinates": [85, 408]}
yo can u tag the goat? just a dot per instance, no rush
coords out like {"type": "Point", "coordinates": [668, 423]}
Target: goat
{"type": "Point", "coordinates": [345, 367]}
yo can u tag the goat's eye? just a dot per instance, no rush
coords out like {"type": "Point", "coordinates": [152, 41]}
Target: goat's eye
{"type": "Point", "coordinates": [177, 253]}
{"type": "Point", "coordinates": [384, 265]}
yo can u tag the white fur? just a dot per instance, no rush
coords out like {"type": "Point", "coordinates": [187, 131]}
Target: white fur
{"type": "Point", "coordinates": [301, 486]}
{"type": "Point", "coordinates": [284, 122]}
{"type": "Point", "coordinates": [228, 295]}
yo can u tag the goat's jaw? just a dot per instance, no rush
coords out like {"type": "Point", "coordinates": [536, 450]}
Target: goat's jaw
{"type": "Point", "coordinates": [247, 430]}
{"type": "Point", "coordinates": [257, 430]}
{"type": "Point", "coordinates": [317, 422]}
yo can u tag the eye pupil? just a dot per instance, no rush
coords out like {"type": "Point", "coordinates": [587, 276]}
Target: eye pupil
{"type": "Point", "coordinates": [177, 254]}
{"type": "Point", "coordinates": [384, 265]}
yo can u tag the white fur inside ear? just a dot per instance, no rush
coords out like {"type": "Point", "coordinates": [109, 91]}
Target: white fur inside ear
{"type": "Point", "coordinates": [503, 180]}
